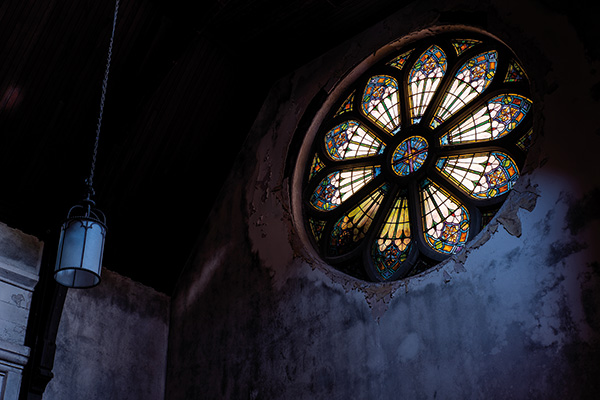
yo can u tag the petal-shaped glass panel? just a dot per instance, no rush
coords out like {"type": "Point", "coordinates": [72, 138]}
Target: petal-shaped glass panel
{"type": "Point", "coordinates": [381, 102]}
{"type": "Point", "coordinates": [470, 80]}
{"type": "Point", "coordinates": [352, 227]}
{"type": "Point", "coordinates": [315, 166]}
{"type": "Point", "coordinates": [481, 175]}
{"type": "Point", "coordinates": [400, 61]}
{"type": "Point", "coordinates": [423, 80]}
{"type": "Point", "coordinates": [498, 117]}
{"type": "Point", "coordinates": [346, 106]}
{"type": "Point", "coordinates": [462, 45]}
{"type": "Point", "coordinates": [445, 219]}
{"type": "Point", "coordinates": [349, 140]}
{"type": "Point", "coordinates": [392, 244]}
{"type": "Point", "coordinates": [338, 186]}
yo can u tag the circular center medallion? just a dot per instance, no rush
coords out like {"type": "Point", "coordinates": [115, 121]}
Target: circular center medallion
{"type": "Point", "coordinates": [409, 156]}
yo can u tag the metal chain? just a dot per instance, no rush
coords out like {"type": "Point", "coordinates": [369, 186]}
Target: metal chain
{"type": "Point", "coordinates": [90, 180]}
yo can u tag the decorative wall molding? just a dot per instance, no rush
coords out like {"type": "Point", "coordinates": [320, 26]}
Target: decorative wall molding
{"type": "Point", "coordinates": [20, 260]}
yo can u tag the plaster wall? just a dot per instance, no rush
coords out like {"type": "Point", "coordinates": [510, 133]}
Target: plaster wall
{"type": "Point", "coordinates": [258, 315]}
{"type": "Point", "coordinates": [111, 343]}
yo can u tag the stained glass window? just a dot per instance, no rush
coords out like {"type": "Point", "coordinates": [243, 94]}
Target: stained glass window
{"type": "Point", "coordinates": [417, 155]}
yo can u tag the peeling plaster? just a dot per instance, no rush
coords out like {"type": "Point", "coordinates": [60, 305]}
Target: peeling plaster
{"type": "Point", "coordinates": [523, 195]}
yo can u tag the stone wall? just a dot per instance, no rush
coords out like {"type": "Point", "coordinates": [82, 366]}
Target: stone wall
{"type": "Point", "coordinates": [111, 343]}
{"type": "Point", "coordinates": [258, 315]}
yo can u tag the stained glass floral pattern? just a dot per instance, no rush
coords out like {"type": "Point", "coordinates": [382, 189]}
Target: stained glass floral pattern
{"type": "Point", "coordinates": [470, 81]}
{"type": "Point", "coordinates": [392, 245]}
{"type": "Point", "coordinates": [415, 161]}
{"type": "Point", "coordinates": [445, 219]}
{"type": "Point", "coordinates": [380, 102]}
{"type": "Point", "coordinates": [497, 118]}
{"type": "Point", "coordinates": [423, 80]}
{"type": "Point", "coordinates": [351, 140]}
{"type": "Point", "coordinates": [351, 228]}
{"type": "Point", "coordinates": [338, 186]}
{"type": "Point", "coordinates": [481, 175]}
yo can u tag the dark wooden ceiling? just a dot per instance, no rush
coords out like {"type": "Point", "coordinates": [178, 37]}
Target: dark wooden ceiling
{"type": "Point", "coordinates": [186, 82]}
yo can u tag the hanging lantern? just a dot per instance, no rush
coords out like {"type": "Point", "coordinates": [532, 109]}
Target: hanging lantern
{"type": "Point", "coordinates": [81, 245]}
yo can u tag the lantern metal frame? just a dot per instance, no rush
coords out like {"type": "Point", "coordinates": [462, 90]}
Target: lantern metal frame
{"type": "Point", "coordinates": [83, 233]}
{"type": "Point", "coordinates": [81, 247]}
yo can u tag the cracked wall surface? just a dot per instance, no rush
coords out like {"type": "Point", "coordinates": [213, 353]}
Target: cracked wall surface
{"type": "Point", "coordinates": [258, 315]}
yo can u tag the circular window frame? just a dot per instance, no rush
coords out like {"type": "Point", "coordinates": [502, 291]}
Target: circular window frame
{"type": "Point", "coordinates": [322, 121]}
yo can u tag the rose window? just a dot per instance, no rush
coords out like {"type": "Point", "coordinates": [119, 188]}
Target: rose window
{"type": "Point", "coordinates": [417, 156]}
